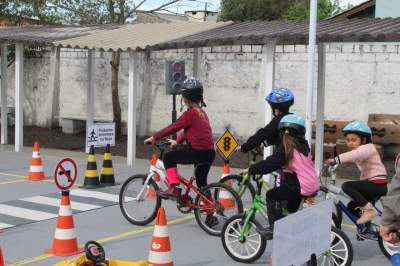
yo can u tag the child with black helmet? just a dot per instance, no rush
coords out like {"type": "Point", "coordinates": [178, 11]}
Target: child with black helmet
{"type": "Point", "coordinates": [299, 177]}
{"type": "Point", "coordinates": [373, 180]}
{"type": "Point", "coordinates": [280, 100]}
{"type": "Point", "coordinates": [198, 135]}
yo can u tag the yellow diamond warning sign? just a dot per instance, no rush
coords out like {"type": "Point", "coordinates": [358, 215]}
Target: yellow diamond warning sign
{"type": "Point", "coordinates": [226, 144]}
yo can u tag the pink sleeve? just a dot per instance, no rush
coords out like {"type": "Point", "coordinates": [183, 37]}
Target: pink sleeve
{"type": "Point", "coordinates": [180, 138]}
{"type": "Point", "coordinates": [179, 124]}
{"type": "Point", "coordinates": [360, 154]}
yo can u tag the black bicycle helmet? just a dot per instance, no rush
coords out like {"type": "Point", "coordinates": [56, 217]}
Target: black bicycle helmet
{"type": "Point", "coordinates": [192, 89]}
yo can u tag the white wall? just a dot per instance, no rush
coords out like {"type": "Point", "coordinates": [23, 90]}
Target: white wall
{"type": "Point", "coordinates": [361, 79]}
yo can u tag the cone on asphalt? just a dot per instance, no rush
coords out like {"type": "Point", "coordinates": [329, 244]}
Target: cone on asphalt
{"type": "Point", "coordinates": [91, 174]}
{"type": "Point", "coordinates": [36, 172]}
{"type": "Point", "coordinates": [65, 242]}
{"type": "Point", "coordinates": [152, 194]}
{"type": "Point", "coordinates": [160, 250]}
{"type": "Point", "coordinates": [1, 257]}
{"type": "Point", "coordinates": [107, 172]}
{"type": "Point", "coordinates": [270, 260]}
{"type": "Point", "coordinates": [224, 196]}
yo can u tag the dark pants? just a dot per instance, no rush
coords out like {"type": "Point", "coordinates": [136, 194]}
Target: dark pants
{"type": "Point", "coordinates": [288, 195]}
{"type": "Point", "coordinates": [202, 160]}
{"type": "Point", "coordinates": [364, 191]}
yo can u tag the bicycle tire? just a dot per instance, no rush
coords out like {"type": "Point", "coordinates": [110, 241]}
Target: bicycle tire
{"type": "Point", "coordinates": [338, 212]}
{"type": "Point", "coordinates": [258, 253]}
{"type": "Point", "coordinates": [238, 179]}
{"type": "Point", "coordinates": [383, 246]}
{"type": "Point", "coordinates": [338, 234]}
{"type": "Point", "coordinates": [335, 221]}
{"type": "Point", "coordinates": [197, 211]}
{"type": "Point", "coordinates": [122, 192]}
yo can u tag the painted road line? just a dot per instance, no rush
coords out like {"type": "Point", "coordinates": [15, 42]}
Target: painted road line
{"type": "Point", "coordinates": [4, 225]}
{"type": "Point", "coordinates": [12, 175]}
{"type": "Point", "coordinates": [349, 226]}
{"type": "Point", "coordinates": [96, 194]}
{"type": "Point", "coordinates": [25, 213]}
{"type": "Point", "coordinates": [56, 202]}
{"type": "Point", "coordinates": [104, 240]}
{"type": "Point", "coordinates": [12, 181]}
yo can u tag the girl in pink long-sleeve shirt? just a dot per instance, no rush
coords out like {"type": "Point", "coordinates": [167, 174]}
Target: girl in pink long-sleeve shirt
{"type": "Point", "coordinates": [373, 180]}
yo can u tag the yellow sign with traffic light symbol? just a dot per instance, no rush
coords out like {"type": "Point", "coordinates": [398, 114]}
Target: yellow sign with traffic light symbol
{"type": "Point", "coordinates": [227, 144]}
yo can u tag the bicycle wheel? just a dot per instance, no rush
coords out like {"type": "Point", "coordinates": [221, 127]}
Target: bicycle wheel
{"type": "Point", "coordinates": [388, 249]}
{"type": "Point", "coordinates": [340, 252]}
{"type": "Point", "coordinates": [226, 204]}
{"type": "Point", "coordinates": [246, 192]}
{"type": "Point", "coordinates": [323, 194]}
{"type": "Point", "coordinates": [139, 210]}
{"type": "Point", "coordinates": [335, 221]}
{"type": "Point", "coordinates": [247, 251]}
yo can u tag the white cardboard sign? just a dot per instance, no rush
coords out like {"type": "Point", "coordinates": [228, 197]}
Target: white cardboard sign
{"type": "Point", "coordinates": [299, 235]}
{"type": "Point", "coordinates": [100, 134]}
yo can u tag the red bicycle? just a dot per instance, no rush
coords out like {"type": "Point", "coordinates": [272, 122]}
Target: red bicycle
{"type": "Point", "coordinates": [212, 205]}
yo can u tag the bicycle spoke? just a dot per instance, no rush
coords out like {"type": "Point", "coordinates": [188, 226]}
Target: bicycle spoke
{"type": "Point", "coordinates": [253, 248]}
{"type": "Point", "coordinates": [231, 235]}
{"type": "Point", "coordinates": [256, 234]}
{"type": "Point", "coordinates": [236, 231]}
{"type": "Point", "coordinates": [332, 247]}
{"type": "Point", "coordinates": [251, 240]}
{"type": "Point", "coordinates": [233, 241]}
{"type": "Point", "coordinates": [338, 250]}
{"type": "Point", "coordinates": [247, 249]}
{"type": "Point", "coordinates": [337, 256]}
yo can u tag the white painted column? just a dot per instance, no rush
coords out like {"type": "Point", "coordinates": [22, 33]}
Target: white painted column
{"type": "Point", "coordinates": [4, 89]}
{"type": "Point", "coordinates": [90, 92]}
{"type": "Point", "coordinates": [196, 62]}
{"type": "Point", "coordinates": [19, 96]}
{"type": "Point", "coordinates": [132, 96]}
{"type": "Point", "coordinates": [55, 83]}
{"type": "Point", "coordinates": [267, 82]}
{"type": "Point", "coordinates": [310, 69]}
{"type": "Point", "coordinates": [319, 142]}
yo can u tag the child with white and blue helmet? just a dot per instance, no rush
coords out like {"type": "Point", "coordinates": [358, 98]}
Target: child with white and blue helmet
{"type": "Point", "coordinates": [280, 100]}
{"type": "Point", "coordinates": [299, 177]}
{"type": "Point", "coordinates": [373, 180]}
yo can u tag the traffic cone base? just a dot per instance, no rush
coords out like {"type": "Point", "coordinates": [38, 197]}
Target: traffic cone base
{"type": "Point", "coordinates": [1, 257]}
{"type": "Point", "coordinates": [224, 196]}
{"type": "Point", "coordinates": [107, 172]}
{"type": "Point", "coordinates": [91, 173]}
{"type": "Point", "coordinates": [65, 242]}
{"type": "Point", "coordinates": [36, 172]}
{"type": "Point", "coordinates": [160, 249]}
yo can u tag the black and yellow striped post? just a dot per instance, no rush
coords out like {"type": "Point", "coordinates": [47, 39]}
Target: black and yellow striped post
{"type": "Point", "coordinates": [91, 174]}
{"type": "Point", "coordinates": [107, 171]}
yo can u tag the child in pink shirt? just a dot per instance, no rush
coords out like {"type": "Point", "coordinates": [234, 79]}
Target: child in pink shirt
{"type": "Point", "coordinates": [373, 179]}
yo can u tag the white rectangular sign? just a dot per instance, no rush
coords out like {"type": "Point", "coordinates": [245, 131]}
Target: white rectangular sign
{"type": "Point", "coordinates": [299, 235]}
{"type": "Point", "coordinates": [101, 134]}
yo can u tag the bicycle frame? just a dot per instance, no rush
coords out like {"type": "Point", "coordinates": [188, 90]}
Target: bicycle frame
{"type": "Point", "coordinates": [258, 205]}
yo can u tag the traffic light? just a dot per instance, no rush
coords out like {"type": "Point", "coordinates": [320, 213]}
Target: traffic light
{"type": "Point", "coordinates": [174, 76]}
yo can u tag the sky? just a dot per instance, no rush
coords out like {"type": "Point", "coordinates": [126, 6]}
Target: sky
{"type": "Point", "coordinates": [211, 4]}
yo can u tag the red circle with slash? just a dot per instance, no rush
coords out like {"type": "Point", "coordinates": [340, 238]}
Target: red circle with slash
{"type": "Point", "coordinates": [62, 175]}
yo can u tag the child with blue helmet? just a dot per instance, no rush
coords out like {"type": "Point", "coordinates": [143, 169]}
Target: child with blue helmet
{"type": "Point", "coordinates": [373, 180]}
{"type": "Point", "coordinates": [299, 177]}
{"type": "Point", "coordinates": [280, 100]}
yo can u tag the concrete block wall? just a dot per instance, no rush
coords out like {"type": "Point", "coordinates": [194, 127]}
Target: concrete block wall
{"type": "Point", "coordinates": [361, 79]}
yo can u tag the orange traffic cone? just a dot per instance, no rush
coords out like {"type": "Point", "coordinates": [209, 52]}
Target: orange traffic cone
{"type": "Point", "coordinates": [160, 250]}
{"type": "Point", "coordinates": [65, 242]}
{"type": "Point", "coordinates": [224, 196]}
{"type": "Point", "coordinates": [270, 260]}
{"type": "Point", "coordinates": [152, 194]}
{"type": "Point", "coordinates": [1, 258]}
{"type": "Point", "coordinates": [36, 172]}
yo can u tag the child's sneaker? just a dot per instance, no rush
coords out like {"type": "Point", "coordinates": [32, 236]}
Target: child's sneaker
{"type": "Point", "coordinates": [267, 232]}
{"type": "Point", "coordinates": [211, 220]}
{"type": "Point", "coordinates": [366, 233]}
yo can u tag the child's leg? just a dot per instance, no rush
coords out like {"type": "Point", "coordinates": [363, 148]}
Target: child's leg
{"type": "Point", "coordinates": [204, 160]}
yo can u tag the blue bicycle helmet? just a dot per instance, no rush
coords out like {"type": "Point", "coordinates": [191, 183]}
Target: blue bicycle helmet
{"type": "Point", "coordinates": [280, 98]}
{"type": "Point", "coordinates": [294, 122]}
{"type": "Point", "coordinates": [358, 127]}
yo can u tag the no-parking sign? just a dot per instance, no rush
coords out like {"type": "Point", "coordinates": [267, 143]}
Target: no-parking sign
{"type": "Point", "coordinates": [65, 174]}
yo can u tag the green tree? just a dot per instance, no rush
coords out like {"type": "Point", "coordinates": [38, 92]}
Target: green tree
{"type": "Point", "coordinates": [15, 11]}
{"type": "Point", "coordinates": [301, 11]}
{"type": "Point", "coordinates": [242, 10]}
{"type": "Point", "coordinates": [104, 12]}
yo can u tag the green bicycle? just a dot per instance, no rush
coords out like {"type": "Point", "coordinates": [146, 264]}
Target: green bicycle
{"type": "Point", "coordinates": [243, 242]}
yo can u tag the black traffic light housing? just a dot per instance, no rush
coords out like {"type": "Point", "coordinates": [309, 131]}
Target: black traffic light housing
{"type": "Point", "coordinates": [174, 76]}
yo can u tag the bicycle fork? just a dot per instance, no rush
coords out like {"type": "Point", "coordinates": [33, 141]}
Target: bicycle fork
{"type": "Point", "coordinates": [246, 225]}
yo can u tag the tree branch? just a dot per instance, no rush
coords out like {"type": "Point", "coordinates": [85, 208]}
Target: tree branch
{"type": "Point", "coordinates": [164, 5]}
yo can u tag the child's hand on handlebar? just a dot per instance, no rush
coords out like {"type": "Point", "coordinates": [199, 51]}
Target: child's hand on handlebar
{"type": "Point", "coordinates": [149, 141]}
{"type": "Point", "coordinates": [331, 161]}
{"type": "Point", "coordinates": [244, 171]}
{"type": "Point", "coordinates": [172, 142]}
